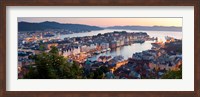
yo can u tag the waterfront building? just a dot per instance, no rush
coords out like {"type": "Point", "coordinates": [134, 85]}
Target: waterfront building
{"type": "Point", "coordinates": [71, 51]}
{"type": "Point", "coordinates": [104, 59]}
{"type": "Point", "coordinates": [104, 45]}
{"type": "Point", "coordinates": [113, 44]}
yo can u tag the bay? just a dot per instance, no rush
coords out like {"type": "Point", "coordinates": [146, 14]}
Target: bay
{"type": "Point", "coordinates": [129, 50]}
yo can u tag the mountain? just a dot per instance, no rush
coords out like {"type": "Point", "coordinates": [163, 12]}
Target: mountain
{"type": "Point", "coordinates": [26, 26]}
{"type": "Point", "coordinates": [151, 28]}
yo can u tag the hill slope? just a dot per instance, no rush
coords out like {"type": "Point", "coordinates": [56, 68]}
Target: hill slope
{"type": "Point", "coordinates": [151, 28]}
{"type": "Point", "coordinates": [26, 26]}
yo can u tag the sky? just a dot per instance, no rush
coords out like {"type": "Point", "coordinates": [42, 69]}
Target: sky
{"type": "Point", "coordinates": [105, 22]}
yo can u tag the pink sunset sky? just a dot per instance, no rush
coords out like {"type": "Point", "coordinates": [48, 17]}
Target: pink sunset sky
{"type": "Point", "coordinates": [105, 22]}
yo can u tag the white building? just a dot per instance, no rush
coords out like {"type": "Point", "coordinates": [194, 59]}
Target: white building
{"type": "Point", "coordinates": [71, 51]}
{"type": "Point", "coordinates": [86, 48]}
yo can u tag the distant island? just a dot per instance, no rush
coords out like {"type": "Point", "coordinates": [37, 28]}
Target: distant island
{"type": "Point", "coordinates": [27, 26]}
{"type": "Point", "coordinates": [148, 28]}
{"type": "Point", "coordinates": [77, 28]}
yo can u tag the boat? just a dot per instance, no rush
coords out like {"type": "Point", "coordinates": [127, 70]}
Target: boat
{"type": "Point", "coordinates": [108, 49]}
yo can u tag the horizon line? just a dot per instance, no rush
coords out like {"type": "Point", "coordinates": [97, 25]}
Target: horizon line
{"type": "Point", "coordinates": [96, 25]}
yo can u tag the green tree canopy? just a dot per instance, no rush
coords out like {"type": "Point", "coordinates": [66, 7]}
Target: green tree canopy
{"type": "Point", "coordinates": [53, 66]}
{"type": "Point", "coordinates": [173, 74]}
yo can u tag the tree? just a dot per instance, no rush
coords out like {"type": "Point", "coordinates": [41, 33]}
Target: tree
{"type": "Point", "coordinates": [104, 69]}
{"type": "Point", "coordinates": [98, 74]}
{"type": "Point", "coordinates": [54, 50]}
{"type": "Point", "coordinates": [41, 47]}
{"type": "Point", "coordinates": [53, 66]}
{"type": "Point", "coordinates": [173, 74]}
{"type": "Point", "coordinates": [32, 73]}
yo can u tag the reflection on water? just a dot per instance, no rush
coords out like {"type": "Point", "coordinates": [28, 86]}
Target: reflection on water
{"type": "Point", "coordinates": [127, 51]}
